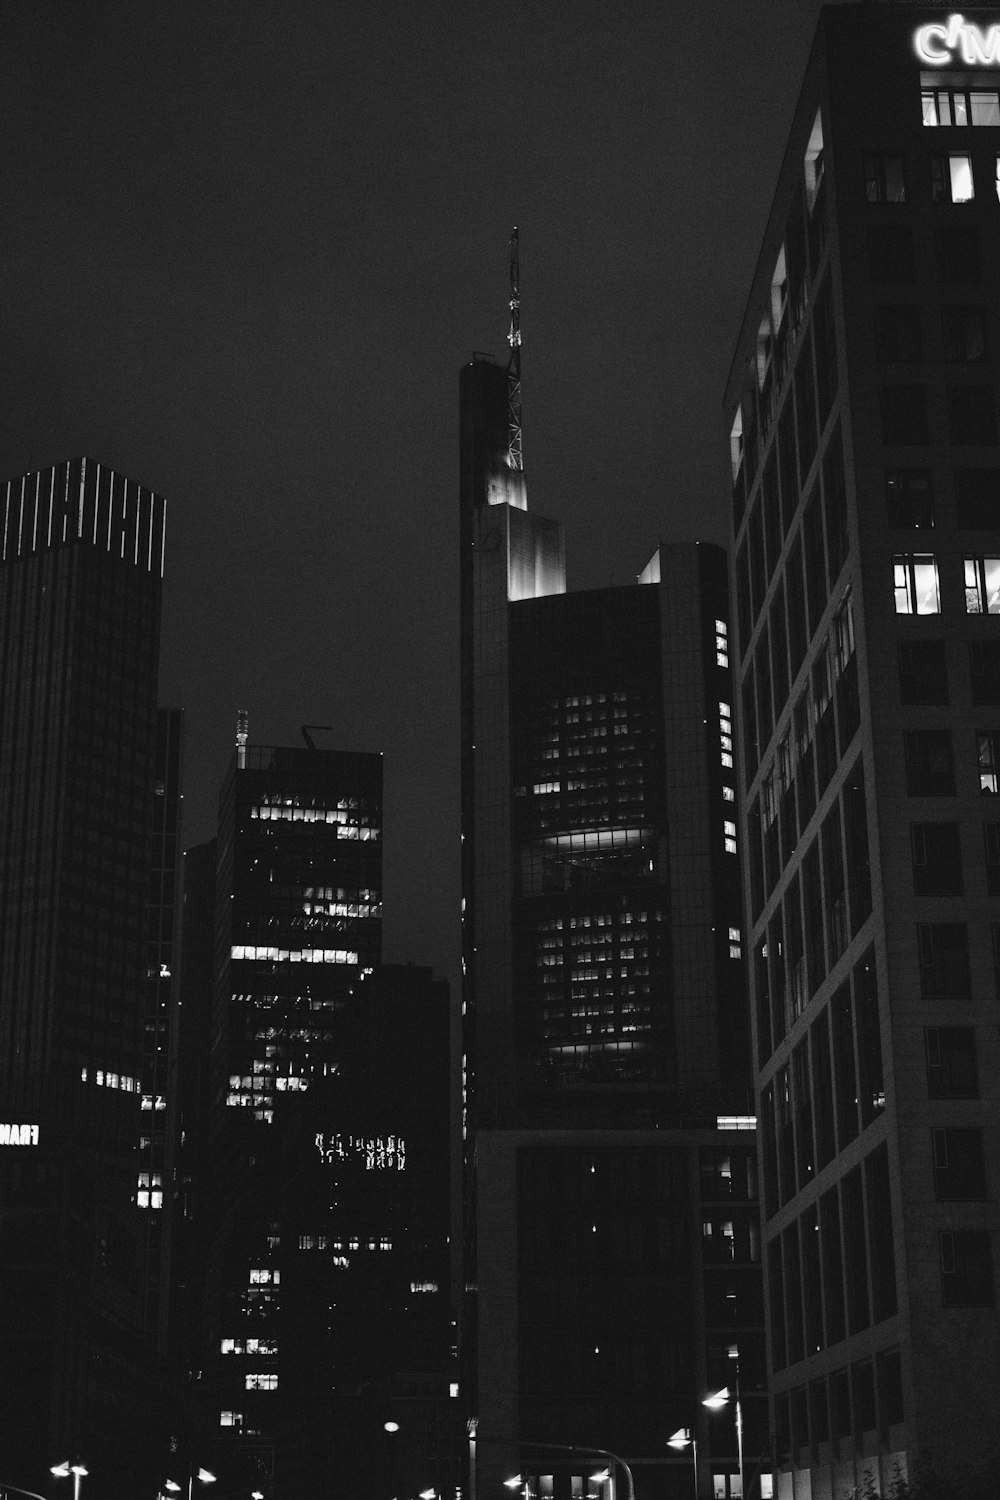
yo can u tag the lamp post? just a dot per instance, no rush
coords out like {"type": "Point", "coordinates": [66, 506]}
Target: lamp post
{"type": "Point", "coordinates": [205, 1476]}
{"type": "Point", "coordinates": [720, 1398]}
{"type": "Point", "coordinates": [683, 1438]}
{"type": "Point", "coordinates": [77, 1470]}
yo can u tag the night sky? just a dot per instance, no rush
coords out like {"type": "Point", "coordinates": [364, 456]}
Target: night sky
{"type": "Point", "coordinates": [246, 248]}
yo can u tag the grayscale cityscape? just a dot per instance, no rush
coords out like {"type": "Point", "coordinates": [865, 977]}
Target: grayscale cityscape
{"type": "Point", "coordinates": [499, 877]}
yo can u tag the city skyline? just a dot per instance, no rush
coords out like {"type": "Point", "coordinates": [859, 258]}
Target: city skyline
{"type": "Point", "coordinates": [241, 247]}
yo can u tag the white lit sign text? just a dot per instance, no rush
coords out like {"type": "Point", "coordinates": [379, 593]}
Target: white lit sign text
{"type": "Point", "coordinates": [958, 41]}
{"type": "Point", "coordinates": [378, 1153]}
{"type": "Point", "coordinates": [18, 1135]}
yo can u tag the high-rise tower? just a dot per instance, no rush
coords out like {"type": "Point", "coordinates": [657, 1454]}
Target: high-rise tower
{"type": "Point", "coordinates": [80, 568]}
{"type": "Point", "coordinates": [862, 408]}
{"type": "Point", "coordinates": [610, 1253]}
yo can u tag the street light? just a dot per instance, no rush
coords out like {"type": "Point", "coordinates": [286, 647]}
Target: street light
{"type": "Point", "coordinates": [719, 1399]}
{"type": "Point", "coordinates": [683, 1438]}
{"type": "Point", "coordinates": [205, 1476]}
{"type": "Point", "coordinates": [66, 1468]}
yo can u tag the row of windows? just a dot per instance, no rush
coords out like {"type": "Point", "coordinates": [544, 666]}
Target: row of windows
{"type": "Point", "coordinates": [924, 678]}
{"type": "Point", "coordinates": [840, 1408]}
{"type": "Point", "coordinates": [831, 1088]}
{"type": "Point", "coordinates": [957, 252]}
{"type": "Point", "coordinates": [947, 176]}
{"type": "Point", "coordinates": [899, 334]}
{"type": "Point", "coordinates": [834, 874]}
{"type": "Point", "coordinates": [831, 1271]}
{"type": "Point", "coordinates": [766, 385]}
{"type": "Point", "coordinates": [904, 418]}
{"type": "Point", "coordinates": [917, 586]}
{"type": "Point", "coordinates": [910, 498]}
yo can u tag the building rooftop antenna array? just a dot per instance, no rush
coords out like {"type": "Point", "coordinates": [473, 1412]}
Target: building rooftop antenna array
{"type": "Point", "coordinates": [515, 458]}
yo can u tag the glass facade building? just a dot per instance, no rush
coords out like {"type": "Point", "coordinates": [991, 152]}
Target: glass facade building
{"type": "Point", "coordinates": [862, 408]}
{"type": "Point", "coordinates": [612, 1266]}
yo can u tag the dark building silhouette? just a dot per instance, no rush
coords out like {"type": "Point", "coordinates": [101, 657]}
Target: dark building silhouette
{"type": "Point", "coordinates": [611, 1257]}
{"type": "Point", "coordinates": [866, 495]}
{"type": "Point", "coordinates": [80, 570]}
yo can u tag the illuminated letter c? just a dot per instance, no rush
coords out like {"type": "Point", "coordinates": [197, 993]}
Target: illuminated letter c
{"type": "Point", "coordinates": [923, 41]}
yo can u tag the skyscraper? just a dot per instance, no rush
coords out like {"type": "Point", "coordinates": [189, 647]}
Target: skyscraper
{"type": "Point", "coordinates": [611, 1250]}
{"type": "Point", "coordinates": [80, 569]}
{"type": "Point", "coordinates": [862, 407]}
{"type": "Point", "coordinates": [298, 918]}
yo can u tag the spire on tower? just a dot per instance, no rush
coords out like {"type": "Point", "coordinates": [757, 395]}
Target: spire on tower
{"type": "Point", "coordinates": [515, 458]}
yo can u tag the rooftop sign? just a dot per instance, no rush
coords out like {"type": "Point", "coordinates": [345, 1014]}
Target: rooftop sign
{"type": "Point", "coordinates": [958, 42]}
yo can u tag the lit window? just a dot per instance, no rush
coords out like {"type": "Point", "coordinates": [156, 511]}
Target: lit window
{"type": "Point", "coordinates": [951, 178]}
{"type": "Point", "coordinates": [982, 585]}
{"type": "Point", "coordinates": [915, 583]}
{"type": "Point", "coordinates": [261, 1382]}
{"type": "Point", "coordinates": [736, 444]}
{"type": "Point", "coordinates": [984, 108]}
{"type": "Point", "coordinates": [989, 755]}
{"type": "Point", "coordinates": [230, 1419]}
{"type": "Point", "coordinates": [728, 795]}
{"type": "Point", "coordinates": [729, 830]}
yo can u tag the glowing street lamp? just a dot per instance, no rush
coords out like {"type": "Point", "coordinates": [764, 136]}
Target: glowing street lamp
{"type": "Point", "coordinates": [204, 1476]}
{"type": "Point", "coordinates": [720, 1399]}
{"type": "Point", "coordinates": [684, 1438]}
{"type": "Point", "coordinates": [63, 1470]}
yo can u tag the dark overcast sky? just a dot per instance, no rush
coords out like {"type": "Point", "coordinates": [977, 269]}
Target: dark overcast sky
{"type": "Point", "coordinates": [245, 246]}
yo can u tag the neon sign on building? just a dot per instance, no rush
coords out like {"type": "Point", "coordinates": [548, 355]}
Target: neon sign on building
{"type": "Point", "coordinates": [959, 41]}
{"type": "Point", "coordinates": [18, 1135]}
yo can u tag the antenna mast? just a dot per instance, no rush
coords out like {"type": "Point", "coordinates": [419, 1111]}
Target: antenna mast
{"type": "Point", "coordinates": [515, 459]}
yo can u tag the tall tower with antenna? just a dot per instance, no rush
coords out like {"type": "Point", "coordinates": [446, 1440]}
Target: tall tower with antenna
{"type": "Point", "coordinates": [515, 456]}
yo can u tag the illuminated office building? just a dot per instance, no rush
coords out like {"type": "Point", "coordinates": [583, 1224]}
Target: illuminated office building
{"type": "Point", "coordinates": [862, 408]}
{"type": "Point", "coordinates": [80, 579]}
{"type": "Point", "coordinates": [611, 1257]}
{"type": "Point", "coordinates": [298, 921]}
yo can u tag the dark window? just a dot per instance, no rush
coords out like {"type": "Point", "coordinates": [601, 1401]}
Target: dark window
{"type": "Point", "coordinates": [771, 504]}
{"type": "Point", "coordinates": [972, 414]}
{"type": "Point", "coordinates": [951, 1062]}
{"type": "Point", "coordinates": [897, 334]}
{"type": "Point", "coordinates": [943, 949]}
{"type": "Point", "coordinates": [923, 672]}
{"type": "Point", "coordinates": [991, 839]}
{"type": "Point", "coordinates": [835, 505]}
{"type": "Point", "coordinates": [959, 254]}
{"type": "Point", "coordinates": [966, 1268]}
{"type": "Point", "coordinates": [977, 497]}
{"type": "Point", "coordinates": [826, 352]}
{"type": "Point", "coordinates": [788, 463]}
{"type": "Point", "coordinates": [871, 1091]}
{"type": "Point", "coordinates": [891, 254]}
{"type": "Point", "coordinates": [984, 671]}
{"type": "Point", "coordinates": [963, 332]}
{"type": "Point", "coordinates": [798, 637]}
{"type": "Point", "coordinates": [937, 859]}
{"type": "Point", "coordinates": [930, 764]}
{"type": "Point", "coordinates": [959, 1164]}
{"type": "Point", "coordinates": [903, 411]}
{"type": "Point", "coordinates": [884, 178]}
{"type": "Point", "coordinates": [880, 1237]}
{"type": "Point", "coordinates": [805, 409]}
{"type": "Point", "coordinates": [909, 497]}
{"type": "Point", "coordinates": [779, 648]}
{"type": "Point", "coordinates": [889, 1367]}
